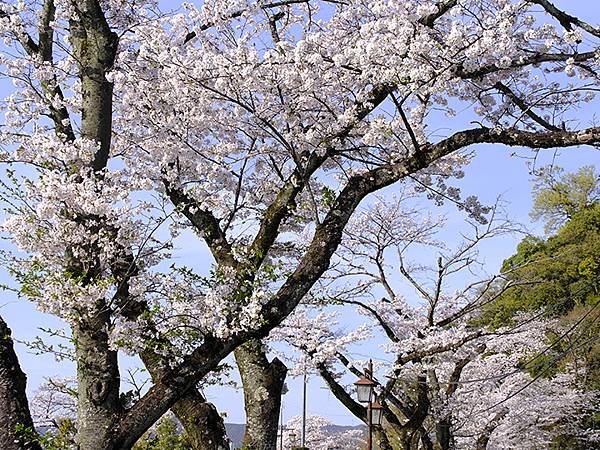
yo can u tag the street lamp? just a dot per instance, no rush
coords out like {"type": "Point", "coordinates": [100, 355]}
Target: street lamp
{"type": "Point", "coordinates": [376, 413]}
{"type": "Point", "coordinates": [293, 437]}
{"type": "Point", "coordinates": [365, 392]}
{"type": "Point", "coordinates": [364, 389]}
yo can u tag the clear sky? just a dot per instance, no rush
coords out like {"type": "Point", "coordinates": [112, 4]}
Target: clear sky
{"type": "Point", "coordinates": [493, 172]}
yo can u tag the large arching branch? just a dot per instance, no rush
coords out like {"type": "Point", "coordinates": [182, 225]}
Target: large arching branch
{"type": "Point", "coordinates": [318, 255]}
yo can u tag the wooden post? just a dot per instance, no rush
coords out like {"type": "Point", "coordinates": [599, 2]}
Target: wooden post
{"type": "Point", "coordinates": [369, 375]}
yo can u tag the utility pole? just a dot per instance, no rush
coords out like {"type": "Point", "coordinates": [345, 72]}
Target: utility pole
{"type": "Point", "coordinates": [281, 428]}
{"type": "Point", "coordinates": [304, 411]}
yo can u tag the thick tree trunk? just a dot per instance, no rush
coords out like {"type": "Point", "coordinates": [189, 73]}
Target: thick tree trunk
{"type": "Point", "coordinates": [408, 439]}
{"type": "Point", "coordinates": [98, 406]}
{"type": "Point", "coordinates": [425, 440]}
{"type": "Point", "coordinates": [16, 426]}
{"type": "Point", "coordinates": [263, 386]}
{"type": "Point", "coordinates": [202, 422]}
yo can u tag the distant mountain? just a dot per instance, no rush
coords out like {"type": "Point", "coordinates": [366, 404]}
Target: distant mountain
{"type": "Point", "coordinates": [235, 431]}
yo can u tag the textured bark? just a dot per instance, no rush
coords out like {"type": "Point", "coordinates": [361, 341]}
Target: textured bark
{"type": "Point", "coordinates": [95, 48]}
{"type": "Point", "coordinates": [202, 422]}
{"type": "Point", "coordinates": [14, 409]}
{"type": "Point", "coordinates": [263, 385]}
{"type": "Point", "coordinates": [98, 403]}
{"type": "Point", "coordinates": [381, 439]}
{"type": "Point", "coordinates": [315, 261]}
{"type": "Point", "coordinates": [425, 440]}
{"type": "Point", "coordinates": [405, 440]}
{"type": "Point", "coordinates": [99, 407]}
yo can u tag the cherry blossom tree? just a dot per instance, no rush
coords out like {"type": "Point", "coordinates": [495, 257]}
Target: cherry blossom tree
{"type": "Point", "coordinates": [259, 126]}
{"type": "Point", "coordinates": [321, 434]}
{"type": "Point", "coordinates": [452, 383]}
{"type": "Point", "coordinates": [53, 402]}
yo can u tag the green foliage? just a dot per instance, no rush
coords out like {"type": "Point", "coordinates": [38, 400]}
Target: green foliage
{"type": "Point", "coordinates": [30, 280]}
{"type": "Point", "coordinates": [559, 274]}
{"type": "Point", "coordinates": [527, 249]}
{"type": "Point", "coordinates": [328, 196]}
{"type": "Point", "coordinates": [570, 442]}
{"type": "Point", "coordinates": [63, 438]}
{"type": "Point", "coordinates": [559, 196]}
{"type": "Point", "coordinates": [165, 436]}
{"type": "Point", "coordinates": [26, 434]}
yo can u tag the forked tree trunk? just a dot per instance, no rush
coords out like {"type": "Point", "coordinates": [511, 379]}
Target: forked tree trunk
{"type": "Point", "coordinates": [202, 422]}
{"type": "Point", "coordinates": [263, 386]}
{"type": "Point", "coordinates": [16, 426]}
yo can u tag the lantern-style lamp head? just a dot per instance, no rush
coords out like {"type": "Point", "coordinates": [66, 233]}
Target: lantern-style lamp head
{"type": "Point", "coordinates": [364, 389]}
{"type": "Point", "coordinates": [376, 413]}
{"type": "Point", "coordinates": [292, 437]}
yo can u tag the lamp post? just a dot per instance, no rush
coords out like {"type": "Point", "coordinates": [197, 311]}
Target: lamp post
{"type": "Point", "coordinates": [365, 392]}
{"type": "Point", "coordinates": [293, 437]}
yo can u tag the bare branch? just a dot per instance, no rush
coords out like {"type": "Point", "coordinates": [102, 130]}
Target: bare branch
{"type": "Point", "coordinates": [380, 320]}
{"type": "Point", "coordinates": [524, 107]}
{"type": "Point", "coordinates": [566, 20]}
{"type": "Point", "coordinates": [411, 279]}
{"type": "Point", "coordinates": [340, 393]}
{"type": "Point", "coordinates": [460, 72]}
{"type": "Point", "coordinates": [284, 202]}
{"type": "Point", "coordinates": [205, 223]}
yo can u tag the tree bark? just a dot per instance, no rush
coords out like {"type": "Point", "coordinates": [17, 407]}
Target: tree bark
{"type": "Point", "coordinates": [16, 426]}
{"type": "Point", "coordinates": [99, 406]}
{"type": "Point", "coordinates": [98, 399]}
{"type": "Point", "coordinates": [383, 443]}
{"type": "Point", "coordinates": [202, 422]}
{"type": "Point", "coordinates": [95, 47]}
{"type": "Point", "coordinates": [263, 386]}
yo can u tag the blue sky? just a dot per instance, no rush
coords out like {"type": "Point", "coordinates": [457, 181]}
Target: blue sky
{"type": "Point", "coordinates": [493, 172]}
